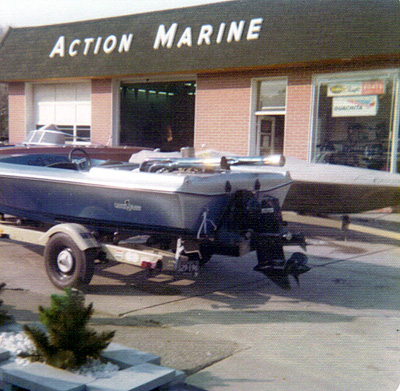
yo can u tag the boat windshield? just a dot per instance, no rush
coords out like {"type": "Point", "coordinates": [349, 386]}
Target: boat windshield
{"type": "Point", "coordinates": [62, 161]}
{"type": "Point", "coordinates": [45, 137]}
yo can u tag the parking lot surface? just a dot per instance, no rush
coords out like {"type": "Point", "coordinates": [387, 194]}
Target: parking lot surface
{"type": "Point", "coordinates": [232, 329]}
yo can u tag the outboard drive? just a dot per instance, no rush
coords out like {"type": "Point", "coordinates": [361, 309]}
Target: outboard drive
{"type": "Point", "coordinates": [247, 216]}
{"type": "Point", "coordinates": [271, 236]}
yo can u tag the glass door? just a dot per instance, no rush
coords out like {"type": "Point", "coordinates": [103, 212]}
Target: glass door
{"type": "Point", "coordinates": [266, 126]}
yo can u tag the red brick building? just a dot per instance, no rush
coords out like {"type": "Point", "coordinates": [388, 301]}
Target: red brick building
{"type": "Point", "coordinates": [316, 79]}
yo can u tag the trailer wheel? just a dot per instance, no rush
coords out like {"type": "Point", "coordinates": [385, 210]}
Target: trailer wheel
{"type": "Point", "coordinates": [66, 264]}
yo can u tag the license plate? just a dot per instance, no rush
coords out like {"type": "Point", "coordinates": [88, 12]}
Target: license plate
{"type": "Point", "coordinates": [189, 267]}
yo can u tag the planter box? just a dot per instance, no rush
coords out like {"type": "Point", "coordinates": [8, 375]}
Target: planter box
{"type": "Point", "coordinates": [38, 376]}
{"type": "Point", "coordinates": [4, 354]}
{"type": "Point", "coordinates": [126, 357]}
{"type": "Point", "coordinates": [140, 372]}
{"type": "Point", "coordinates": [143, 377]}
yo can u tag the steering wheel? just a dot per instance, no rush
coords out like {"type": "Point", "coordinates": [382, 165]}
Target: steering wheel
{"type": "Point", "coordinates": [86, 156]}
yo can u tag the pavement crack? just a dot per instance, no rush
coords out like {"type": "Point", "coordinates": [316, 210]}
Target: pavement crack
{"type": "Point", "coordinates": [188, 298]}
{"type": "Point", "coordinates": [350, 258]}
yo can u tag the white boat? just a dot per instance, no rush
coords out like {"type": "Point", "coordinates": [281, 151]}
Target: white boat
{"type": "Point", "coordinates": [336, 189]}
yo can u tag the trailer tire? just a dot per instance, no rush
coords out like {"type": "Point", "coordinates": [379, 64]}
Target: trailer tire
{"type": "Point", "coordinates": [67, 265]}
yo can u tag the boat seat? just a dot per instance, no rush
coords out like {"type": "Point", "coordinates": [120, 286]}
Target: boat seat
{"type": "Point", "coordinates": [64, 165]}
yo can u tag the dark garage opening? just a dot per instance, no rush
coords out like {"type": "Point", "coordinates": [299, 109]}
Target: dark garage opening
{"type": "Point", "coordinates": [158, 115]}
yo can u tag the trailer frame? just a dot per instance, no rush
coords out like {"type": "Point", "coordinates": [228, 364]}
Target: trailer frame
{"type": "Point", "coordinates": [70, 262]}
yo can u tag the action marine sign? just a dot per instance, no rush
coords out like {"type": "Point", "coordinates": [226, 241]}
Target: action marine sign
{"type": "Point", "coordinates": [167, 37]}
{"type": "Point", "coordinates": [224, 36]}
{"type": "Point", "coordinates": [91, 45]}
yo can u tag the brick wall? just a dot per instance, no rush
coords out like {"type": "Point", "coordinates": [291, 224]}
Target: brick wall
{"type": "Point", "coordinates": [16, 112]}
{"type": "Point", "coordinates": [298, 115]}
{"type": "Point", "coordinates": [223, 113]}
{"type": "Point", "coordinates": [102, 111]}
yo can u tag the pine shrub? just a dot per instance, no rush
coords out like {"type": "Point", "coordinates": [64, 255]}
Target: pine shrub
{"type": "Point", "coordinates": [4, 317]}
{"type": "Point", "coordinates": [68, 342]}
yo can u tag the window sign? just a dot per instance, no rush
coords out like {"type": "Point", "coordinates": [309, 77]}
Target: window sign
{"type": "Point", "coordinates": [369, 87]}
{"type": "Point", "coordinates": [351, 106]}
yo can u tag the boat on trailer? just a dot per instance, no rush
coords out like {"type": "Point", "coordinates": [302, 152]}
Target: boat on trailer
{"type": "Point", "coordinates": [50, 139]}
{"type": "Point", "coordinates": [192, 208]}
{"type": "Point", "coordinates": [317, 188]}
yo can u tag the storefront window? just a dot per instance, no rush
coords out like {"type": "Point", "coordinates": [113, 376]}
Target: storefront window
{"type": "Point", "coordinates": [354, 120]}
{"type": "Point", "coordinates": [397, 158]}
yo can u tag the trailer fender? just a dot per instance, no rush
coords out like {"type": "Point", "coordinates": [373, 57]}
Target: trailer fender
{"type": "Point", "coordinates": [82, 236]}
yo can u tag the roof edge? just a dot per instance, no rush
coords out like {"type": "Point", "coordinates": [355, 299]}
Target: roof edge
{"type": "Point", "coordinates": [127, 15]}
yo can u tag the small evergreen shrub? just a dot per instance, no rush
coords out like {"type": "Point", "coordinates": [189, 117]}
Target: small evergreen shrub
{"type": "Point", "coordinates": [68, 343]}
{"type": "Point", "coordinates": [4, 317]}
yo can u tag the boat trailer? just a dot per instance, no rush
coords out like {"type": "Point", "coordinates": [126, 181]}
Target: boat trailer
{"type": "Point", "coordinates": [72, 250]}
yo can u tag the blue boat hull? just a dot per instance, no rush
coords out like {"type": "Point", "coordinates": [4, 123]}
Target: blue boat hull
{"type": "Point", "coordinates": [123, 198]}
{"type": "Point", "coordinates": [105, 208]}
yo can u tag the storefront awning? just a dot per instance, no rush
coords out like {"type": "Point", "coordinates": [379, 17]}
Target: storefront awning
{"type": "Point", "coordinates": [233, 35]}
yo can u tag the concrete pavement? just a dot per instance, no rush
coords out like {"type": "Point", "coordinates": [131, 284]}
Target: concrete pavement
{"type": "Point", "coordinates": [234, 330]}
